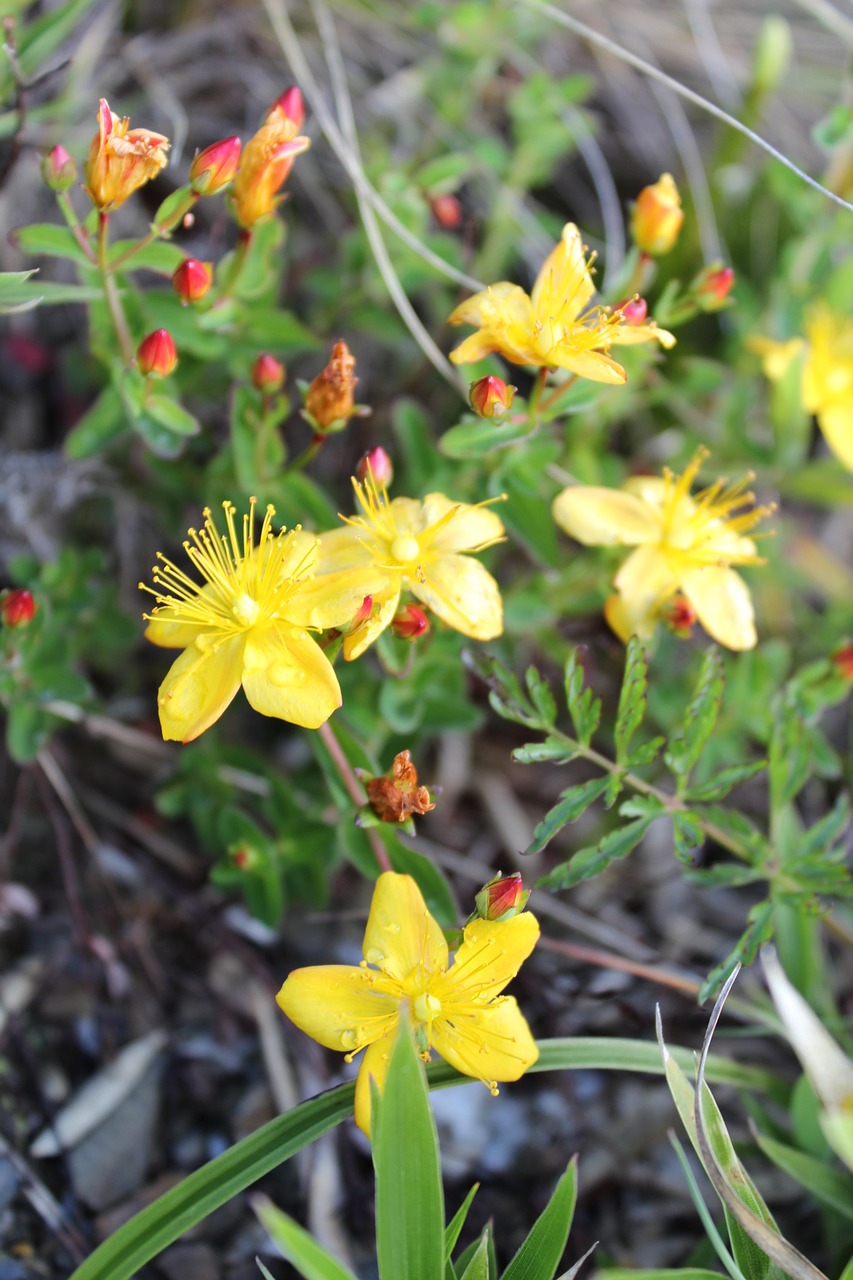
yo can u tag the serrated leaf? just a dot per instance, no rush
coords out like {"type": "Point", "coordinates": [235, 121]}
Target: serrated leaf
{"type": "Point", "coordinates": [759, 931]}
{"type": "Point", "coordinates": [539, 1255]}
{"type": "Point", "coordinates": [632, 699]}
{"type": "Point", "coordinates": [541, 752]}
{"type": "Point", "coordinates": [723, 782]}
{"type": "Point", "coordinates": [646, 752]}
{"type": "Point", "coordinates": [828, 830]}
{"type": "Point", "coordinates": [572, 803]}
{"type": "Point", "coordinates": [738, 828]}
{"type": "Point", "coordinates": [687, 836]}
{"type": "Point", "coordinates": [790, 757]}
{"type": "Point", "coordinates": [506, 696]}
{"type": "Point", "coordinates": [584, 707]}
{"type": "Point", "coordinates": [588, 862]}
{"type": "Point", "coordinates": [541, 696]}
{"type": "Point", "coordinates": [700, 718]}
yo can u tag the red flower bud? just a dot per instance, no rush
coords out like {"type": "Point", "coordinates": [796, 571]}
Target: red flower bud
{"type": "Point", "coordinates": [491, 397]}
{"type": "Point", "coordinates": [376, 463]}
{"type": "Point", "coordinates": [192, 280]}
{"type": "Point", "coordinates": [446, 210]}
{"type": "Point", "coordinates": [502, 898]}
{"type": "Point", "coordinates": [244, 856]}
{"type": "Point", "coordinates": [359, 618]}
{"type": "Point", "coordinates": [156, 354]}
{"type": "Point", "coordinates": [633, 310]}
{"type": "Point", "coordinates": [292, 104]}
{"type": "Point", "coordinates": [268, 374]}
{"type": "Point", "coordinates": [213, 168]}
{"type": "Point", "coordinates": [410, 623]}
{"type": "Point", "coordinates": [58, 169]}
{"type": "Point", "coordinates": [17, 608]}
{"type": "Point", "coordinates": [843, 661]}
{"type": "Point", "coordinates": [712, 287]}
{"type": "Point", "coordinates": [680, 617]}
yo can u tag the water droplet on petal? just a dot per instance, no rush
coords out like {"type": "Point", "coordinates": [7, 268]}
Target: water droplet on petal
{"type": "Point", "coordinates": [349, 1039]}
{"type": "Point", "coordinates": [374, 956]}
{"type": "Point", "coordinates": [393, 927]}
{"type": "Point", "coordinates": [283, 675]}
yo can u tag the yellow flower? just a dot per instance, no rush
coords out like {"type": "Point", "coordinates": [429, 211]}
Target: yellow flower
{"type": "Point", "coordinates": [245, 625]}
{"type": "Point", "coordinates": [267, 159]}
{"type": "Point", "coordinates": [417, 545]}
{"type": "Point", "coordinates": [657, 217]}
{"type": "Point", "coordinates": [554, 327]}
{"type": "Point", "coordinates": [456, 1009]}
{"type": "Point", "coordinates": [121, 159]}
{"type": "Point", "coordinates": [683, 544]}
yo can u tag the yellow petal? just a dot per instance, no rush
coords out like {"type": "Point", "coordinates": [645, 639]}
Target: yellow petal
{"type": "Point", "coordinates": [836, 423]}
{"type": "Point", "coordinates": [470, 528]}
{"type": "Point", "coordinates": [333, 599]}
{"type": "Point", "coordinates": [600, 517]}
{"type": "Point", "coordinates": [341, 549]}
{"type": "Point", "coordinates": [775, 356]}
{"type": "Point", "coordinates": [401, 935]}
{"type": "Point", "coordinates": [484, 308]}
{"type": "Point", "coordinates": [287, 675]}
{"type": "Point", "coordinates": [627, 623]}
{"type": "Point", "coordinates": [199, 686]}
{"type": "Point", "coordinates": [385, 604]}
{"type": "Point", "coordinates": [493, 1043]}
{"type": "Point", "coordinates": [463, 594]}
{"type": "Point", "coordinates": [723, 605]}
{"type": "Point", "coordinates": [645, 581]}
{"type": "Point", "coordinates": [650, 489]}
{"type": "Point", "coordinates": [374, 1065]}
{"type": "Point", "coordinates": [594, 365]}
{"type": "Point", "coordinates": [630, 335]}
{"type": "Point", "coordinates": [164, 631]}
{"type": "Point", "coordinates": [407, 515]}
{"type": "Point", "coordinates": [336, 1005]}
{"type": "Point", "coordinates": [491, 954]}
{"type": "Point", "coordinates": [564, 284]}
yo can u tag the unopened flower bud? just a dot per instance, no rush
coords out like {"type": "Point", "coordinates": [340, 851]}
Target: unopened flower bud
{"type": "Point", "coordinates": [491, 397]}
{"type": "Point", "coordinates": [711, 288]}
{"type": "Point", "coordinates": [657, 217]}
{"type": "Point", "coordinates": [268, 159]}
{"type": "Point", "coordinates": [633, 311]}
{"type": "Point", "coordinates": [268, 374]}
{"type": "Point", "coordinates": [329, 401]}
{"type": "Point", "coordinates": [213, 168]}
{"type": "Point", "coordinates": [410, 623]}
{"type": "Point", "coordinates": [292, 104]}
{"type": "Point", "coordinates": [502, 898]}
{"type": "Point", "coordinates": [680, 617]}
{"type": "Point", "coordinates": [17, 608]}
{"type": "Point", "coordinates": [362, 615]}
{"type": "Point", "coordinates": [192, 280]}
{"type": "Point", "coordinates": [244, 856]}
{"type": "Point", "coordinates": [446, 210]}
{"type": "Point", "coordinates": [396, 795]}
{"type": "Point", "coordinates": [58, 169]}
{"type": "Point", "coordinates": [156, 354]}
{"type": "Point", "coordinates": [842, 660]}
{"type": "Point", "coordinates": [377, 464]}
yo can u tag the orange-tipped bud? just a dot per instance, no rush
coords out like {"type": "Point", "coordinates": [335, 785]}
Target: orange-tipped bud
{"type": "Point", "coordinates": [376, 463]}
{"type": "Point", "coordinates": [121, 159]}
{"type": "Point", "coordinates": [244, 856]}
{"type": "Point", "coordinates": [156, 354]}
{"type": "Point", "coordinates": [362, 615]}
{"type": "Point", "coordinates": [17, 608]}
{"type": "Point", "coordinates": [491, 397]}
{"type": "Point", "coordinates": [711, 288]}
{"type": "Point", "coordinates": [267, 160]}
{"type": "Point", "coordinates": [446, 210]}
{"type": "Point", "coordinates": [268, 374]}
{"type": "Point", "coordinates": [657, 217]}
{"type": "Point", "coordinates": [396, 795]}
{"type": "Point", "coordinates": [329, 400]}
{"type": "Point", "coordinates": [680, 617]}
{"type": "Point", "coordinates": [192, 280]}
{"type": "Point", "coordinates": [213, 168]}
{"type": "Point", "coordinates": [58, 169]}
{"type": "Point", "coordinates": [633, 310]}
{"type": "Point", "coordinates": [843, 661]}
{"type": "Point", "coordinates": [410, 623]}
{"type": "Point", "coordinates": [502, 898]}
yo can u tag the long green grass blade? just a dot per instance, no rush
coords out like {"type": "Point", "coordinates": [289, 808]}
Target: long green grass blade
{"type": "Point", "coordinates": [540, 1254]}
{"type": "Point", "coordinates": [297, 1245]}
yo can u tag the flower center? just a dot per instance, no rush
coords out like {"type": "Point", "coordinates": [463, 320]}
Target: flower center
{"type": "Point", "coordinates": [426, 1007]}
{"type": "Point", "coordinates": [405, 548]}
{"type": "Point", "coordinates": [245, 609]}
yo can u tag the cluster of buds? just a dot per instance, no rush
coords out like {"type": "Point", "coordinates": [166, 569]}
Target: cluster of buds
{"type": "Point", "coordinates": [156, 355]}
{"type": "Point", "coordinates": [491, 397]}
{"type": "Point", "coordinates": [502, 898]}
{"type": "Point", "coordinates": [192, 280]}
{"type": "Point", "coordinates": [396, 795]}
{"type": "Point", "coordinates": [121, 159]}
{"type": "Point", "coordinates": [657, 216]}
{"type": "Point", "coordinates": [17, 608]}
{"type": "Point", "coordinates": [267, 160]}
{"type": "Point", "coordinates": [329, 400]}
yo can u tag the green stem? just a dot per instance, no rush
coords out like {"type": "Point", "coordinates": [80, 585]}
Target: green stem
{"type": "Point", "coordinates": [535, 397]}
{"type": "Point", "coordinates": [111, 291]}
{"type": "Point", "coordinates": [309, 452]}
{"type": "Point", "coordinates": [159, 230]}
{"type": "Point", "coordinates": [241, 251]}
{"type": "Point", "coordinates": [557, 392]}
{"type": "Point", "coordinates": [73, 224]}
{"type": "Point", "coordinates": [354, 789]}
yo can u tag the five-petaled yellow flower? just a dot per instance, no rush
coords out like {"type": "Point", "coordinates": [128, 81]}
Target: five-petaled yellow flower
{"type": "Point", "coordinates": [683, 543]}
{"type": "Point", "coordinates": [121, 159]}
{"type": "Point", "coordinates": [246, 624]}
{"type": "Point", "coordinates": [827, 374]}
{"type": "Point", "coordinates": [419, 546]}
{"type": "Point", "coordinates": [456, 1009]}
{"type": "Point", "coordinates": [554, 327]}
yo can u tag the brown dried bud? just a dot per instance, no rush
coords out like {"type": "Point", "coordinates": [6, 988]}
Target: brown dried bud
{"type": "Point", "coordinates": [396, 795]}
{"type": "Point", "coordinates": [329, 402]}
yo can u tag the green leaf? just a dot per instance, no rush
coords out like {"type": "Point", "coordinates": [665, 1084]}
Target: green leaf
{"type": "Point", "coordinates": [700, 718]}
{"type": "Point", "coordinates": [457, 1222]}
{"type": "Point", "coordinates": [828, 830]}
{"type": "Point", "coordinates": [506, 696]}
{"type": "Point", "coordinates": [584, 707]}
{"type": "Point", "coordinates": [27, 730]}
{"type": "Point", "coordinates": [170, 414]}
{"type": "Point", "coordinates": [475, 438]}
{"type": "Point", "coordinates": [540, 752]}
{"type": "Point", "coordinates": [101, 423]}
{"type": "Point", "coordinates": [16, 292]}
{"type": "Point", "coordinates": [572, 803]}
{"type": "Point", "coordinates": [409, 1195]}
{"type": "Point", "coordinates": [687, 836]}
{"type": "Point", "coordinates": [588, 862]}
{"type": "Point", "coordinates": [723, 782]}
{"type": "Point", "coordinates": [540, 1254]}
{"type": "Point", "coordinates": [759, 931]}
{"type": "Point", "coordinates": [40, 39]}
{"type": "Point", "coordinates": [632, 699]}
{"type": "Point", "coordinates": [790, 757]}
{"type": "Point", "coordinates": [176, 200]}
{"type": "Point", "coordinates": [273, 329]}
{"type": "Point", "coordinates": [161, 256]}
{"type": "Point", "coordinates": [478, 1264]}
{"type": "Point", "coordinates": [297, 1245]}
{"type": "Point", "coordinates": [827, 1185]}
{"type": "Point", "coordinates": [541, 696]}
{"type": "Point", "coordinates": [47, 240]}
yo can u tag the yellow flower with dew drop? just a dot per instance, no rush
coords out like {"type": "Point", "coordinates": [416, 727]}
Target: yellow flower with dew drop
{"type": "Point", "coordinates": [454, 1008]}
{"type": "Point", "coordinates": [553, 327]}
{"type": "Point", "coordinates": [246, 623]}
{"type": "Point", "coordinates": [422, 546]}
{"type": "Point", "coordinates": [682, 543]}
